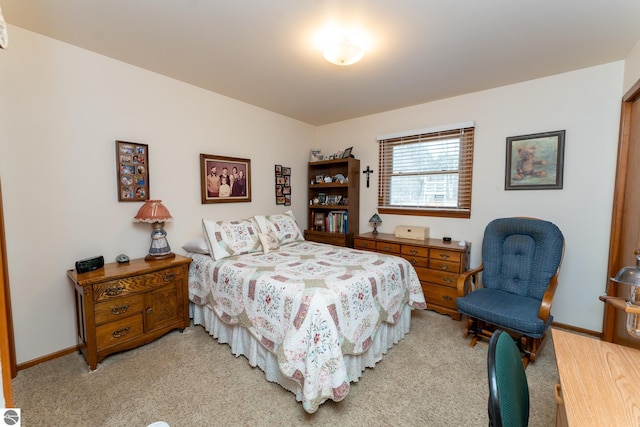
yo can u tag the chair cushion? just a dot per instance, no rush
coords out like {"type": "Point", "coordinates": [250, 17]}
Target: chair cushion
{"type": "Point", "coordinates": [521, 255]}
{"type": "Point", "coordinates": [506, 310]}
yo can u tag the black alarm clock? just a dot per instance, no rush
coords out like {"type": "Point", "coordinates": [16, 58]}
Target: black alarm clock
{"type": "Point", "coordinates": [89, 264]}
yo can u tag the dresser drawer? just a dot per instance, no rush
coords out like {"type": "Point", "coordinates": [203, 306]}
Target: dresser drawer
{"type": "Point", "coordinates": [415, 251]}
{"type": "Point", "coordinates": [119, 331]}
{"type": "Point", "coordinates": [417, 261]}
{"type": "Point", "coordinates": [440, 295]}
{"type": "Point", "coordinates": [391, 248]}
{"type": "Point", "coordinates": [362, 244]}
{"type": "Point", "coordinates": [117, 308]}
{"type": "Point", "coordinates": [453, 267]}
{"type": "Point", "coordinates": [445, 255]}
{"type": "Point", "coordinates": [438, 277]}
{"type": "Point", "coordinates": [136, 284]}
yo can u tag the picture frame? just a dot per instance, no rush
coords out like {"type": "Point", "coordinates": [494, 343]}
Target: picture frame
{"type": "Point", "coordinates": [535, 161]}
{"type": "Point", "coordinates": [347, 153]}
{"type": "Point", "coordinates": [315, 155]}
{"type": "Point", "coordinates": [318, 221]}
{"type": "Point", "coordinates": [283, 185]}
{"type": "Point", "coordinates": [234, 171]}
{"type": "Point", "coordinates": [132, 171]}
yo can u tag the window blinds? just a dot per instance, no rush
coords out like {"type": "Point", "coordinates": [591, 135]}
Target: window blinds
{"type": "Point", "coordinates": [427, 173]}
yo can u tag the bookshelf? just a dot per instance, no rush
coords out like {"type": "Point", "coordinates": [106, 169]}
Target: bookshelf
{"type": "Point", "coordinates": [333, 204]}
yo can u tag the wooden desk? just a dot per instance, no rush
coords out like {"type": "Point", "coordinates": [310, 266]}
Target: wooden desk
{"type": "Point", "coordinates": [600, 380]}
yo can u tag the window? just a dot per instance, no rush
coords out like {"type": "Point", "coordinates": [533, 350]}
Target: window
{"type": "Point", "coordinates": [427, 172]}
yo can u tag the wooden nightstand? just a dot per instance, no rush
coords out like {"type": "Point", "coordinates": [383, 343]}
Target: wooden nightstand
{"type": "Point", "coordinates": [123, 306]}
{"type": "Point", "coordinates": [437, 264]}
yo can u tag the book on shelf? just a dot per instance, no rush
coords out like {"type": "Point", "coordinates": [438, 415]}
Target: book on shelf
{"type": "Point", "coordinates": [337, 222]}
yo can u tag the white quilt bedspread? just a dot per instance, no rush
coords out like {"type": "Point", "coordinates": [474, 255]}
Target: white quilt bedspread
{"type": "Point", "coordinates": [308, 303]}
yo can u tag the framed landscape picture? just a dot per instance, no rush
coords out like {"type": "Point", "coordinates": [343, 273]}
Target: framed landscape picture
{"type": "Point", "coordinates": [535, 162]}
{"type": "Point", "coordinates": [224, 179]}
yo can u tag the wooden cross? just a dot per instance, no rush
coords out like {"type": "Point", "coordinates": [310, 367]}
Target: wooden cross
{"type": "Point", "coordinates": [368, 171]}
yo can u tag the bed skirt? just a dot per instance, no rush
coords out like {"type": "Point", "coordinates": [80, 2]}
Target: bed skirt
{"type": "Point", "coordinates": [243, 343]}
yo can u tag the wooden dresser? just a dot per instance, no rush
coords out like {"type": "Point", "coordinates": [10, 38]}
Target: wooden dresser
{"type": "Point", "coordinates": [438, 265]}
{"type": "Point", "coordinates": [122, 306]}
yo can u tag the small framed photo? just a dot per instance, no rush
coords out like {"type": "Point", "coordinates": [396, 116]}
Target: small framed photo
{"type": "Point", "coordinates": [132, 160]}
{"type": "Point", "coordinates": [224, 179]}
{"type": "Point", "coordinates": [315, 155]}
{"type": "Point", "coordinates": [347, 153]}
{"type": "Point", "coordinates": [318, 221]}
{"type": "Point", "coordinates": [535, 161]}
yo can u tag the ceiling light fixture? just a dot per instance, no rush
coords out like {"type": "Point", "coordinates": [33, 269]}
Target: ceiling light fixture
{"type": "Point", "coordinates": [343, 52]}
{"type": "Point", "coordinates": [343, 47]}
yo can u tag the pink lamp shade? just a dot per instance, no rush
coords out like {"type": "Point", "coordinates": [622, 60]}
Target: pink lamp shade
{"type": "Point", "coordinates": [155, 213]}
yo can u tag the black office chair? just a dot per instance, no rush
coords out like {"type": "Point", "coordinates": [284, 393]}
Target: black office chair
{"type": "Point", "coordinates": [508, 387]}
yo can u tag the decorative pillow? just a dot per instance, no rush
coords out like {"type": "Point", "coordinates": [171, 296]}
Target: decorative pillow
{"type": "Point", "coordinates": [196, 246]}
{"type": "Point", "coordinates": [227, 238]}
{"type": "Point", "coordinates": [269, 242]}
{"type": "Point", "coordinates": [283, 225]}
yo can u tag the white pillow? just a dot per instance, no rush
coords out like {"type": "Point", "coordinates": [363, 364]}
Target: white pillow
{"type": "Point", "coordinates": [227, 238]}
{"type": "Point", "coordinates": [269, 242]}
{"type": "Point", "coordinates": [196, 246]}
{"type": "Point", "coordinates": [284, 226]}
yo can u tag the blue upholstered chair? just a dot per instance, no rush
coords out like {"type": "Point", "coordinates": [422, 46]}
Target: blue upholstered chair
{"type": "Point", "coordinates": [508, 386]}
{"type": "Point", "coordinates": [514, 286]}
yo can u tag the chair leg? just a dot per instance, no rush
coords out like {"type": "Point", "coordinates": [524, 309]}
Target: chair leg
{"type": "Point", "coordinates": [532, 346]}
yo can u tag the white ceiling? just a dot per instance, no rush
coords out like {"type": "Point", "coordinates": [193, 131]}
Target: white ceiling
{"type": "Point", "coordinates": [261, 51]}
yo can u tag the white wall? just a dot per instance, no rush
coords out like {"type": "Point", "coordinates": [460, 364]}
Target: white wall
{"type": "Point", "coordinates": [586, 103]}
{"type": "Point", "coordinates": [61, 109]}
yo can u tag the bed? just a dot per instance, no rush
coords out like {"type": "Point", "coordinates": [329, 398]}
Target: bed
{"type": "Point", "coordinates": [312, 316]}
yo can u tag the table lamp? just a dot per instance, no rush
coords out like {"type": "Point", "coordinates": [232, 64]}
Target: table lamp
{"type": "Point", "coordinates": [155, 213]}
{"type": "Point", "coordinates": [628, 277]}
{"type": "Point", "coordinates": [375, 220]}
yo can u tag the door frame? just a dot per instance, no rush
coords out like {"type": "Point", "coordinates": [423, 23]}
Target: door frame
{"type": "Point", "coordinates": [615, 257]}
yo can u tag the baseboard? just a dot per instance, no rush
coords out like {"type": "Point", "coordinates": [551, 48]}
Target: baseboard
{"type": "Point", "coordinates": [576, 329]}
{"type": "Point", "coordinates": [46, 358]}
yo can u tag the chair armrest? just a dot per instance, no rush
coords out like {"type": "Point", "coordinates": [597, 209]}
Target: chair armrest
{"type": "Point", "coordinates": [469, 281]}
{"type": "Point", "coordinates": [547, 298]}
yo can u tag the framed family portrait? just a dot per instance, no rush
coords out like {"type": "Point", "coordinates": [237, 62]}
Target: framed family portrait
{"type": "Point", "coordinates": [132, 160]}
{"type": "Point", "coordinates": [225, 179]}
{"type": "Point", "coordinates": [535, 162]}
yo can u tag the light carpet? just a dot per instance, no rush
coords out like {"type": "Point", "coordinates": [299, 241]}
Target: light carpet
{"type": "Point", "coordinates": [430, 378]}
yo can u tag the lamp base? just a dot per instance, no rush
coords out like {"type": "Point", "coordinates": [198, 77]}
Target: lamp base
{"type": "Point", "coordinates": [375, 229]}
{"type": "Point", "coordinates": [151, 257]}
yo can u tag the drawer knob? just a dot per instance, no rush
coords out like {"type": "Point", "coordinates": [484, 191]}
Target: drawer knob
{"type": "Point", "coordinates": [169, 277]}
{"type": "Point", "coordinates": [115, 290]}
{"type": "Point", "coordinates": [119, 333]}
{"type": "Point", "coordinates": [444, 256]}
{"type": "Point", "coordinates": [120, 309]}
{"type": "Point", "coordinates": [444, 267]}
{"type": "Point", "coordinates": [414, 261]}
{"type": "Point", "coordinates": [413, 252]}
{"type": "Point", "coordinates": [386, 248]}
{"type": "Point", "coordinates": [448, 280]}
{"type": "Point", "coordinates": [149, 310]}
{"type": "Point", "coordinates": [447, 298]}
